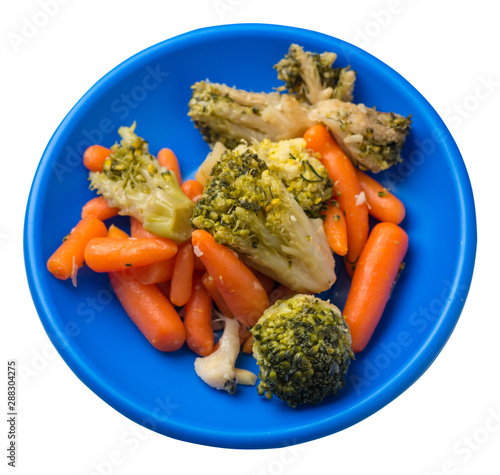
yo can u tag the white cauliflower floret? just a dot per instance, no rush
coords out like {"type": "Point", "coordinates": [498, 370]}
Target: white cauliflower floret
{"type": "Point", "coordinates": [217, 369]}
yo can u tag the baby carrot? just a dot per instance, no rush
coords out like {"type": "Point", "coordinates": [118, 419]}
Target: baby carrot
{"type": "Point", "coordinates": [99, 208]}
{"type": "Point", "coordinates": [182, 278]}
{"type": "Point", "coordinates": [108, 254]}
{"type": "Point", "coordinates": [154, 273]}
{"type": "Point", "coordinates": [192, 189]}
{"type": "Point", "coordinates": [212, 289]}
{"type": "Point", "coordinates": [150, 310]}
{"type": "Point", "coordinates": [248, 345]}
{"type": "Point", "coordinates": [335, 228]}
{"type": "Point", "coordinates": [382, 204]}
{"type": "Point", "coordinates": [343, 174]}
{"type": "Point", "coordinates": [166, 158]}
{"type": "Point", "coordinates": [116, 232]}
{"type": "Point", "coordinates": [95, 156]}
{"type": "Point", "coordinates": [242, 291]}
{"type": "Point", "coordinates": [69, 256]}
{"type": "Point", "coordinates": [267, 282]}
{"type": "Point", "coordinates": [198, 318]}
{"type": "Point", "coordinates": [373, 279]}
{"type": "Point", "coordinates": [137, 229]}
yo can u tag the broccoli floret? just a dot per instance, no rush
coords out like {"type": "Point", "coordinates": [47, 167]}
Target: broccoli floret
{"type": "Point", "coordinates": [373, 140]}
{"type": "Point", "coordinates": [303, 348]}
{"type": "Point", "coordinates": [133, 181]}
{"type": "Point", "coordinates": [312, 78]}
{"type": "Point", "coordinates": [303, 175]}
{"type": "Point", "coordinates": [247, 208]}
{"type": "Point", "coordinates": [229, 115]}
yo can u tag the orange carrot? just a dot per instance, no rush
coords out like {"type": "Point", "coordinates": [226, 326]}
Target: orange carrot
{"type": "Point", "coordinates": [167, 159]}
{"type": "Point", "coordinates": [267, 282]}
{"type": "Point", "coordinates": [137, 229]}
{"type": "Point", "coordinates": [69, 256]}
{"type": "Point", "coordinates": [182, 278]}
{"type": "Point", "coordinates": [165, 288]}
{"type": "Point", "coordinates": [115, 231]}
{"type": "Point", "coordinates": [242, 291]}
{"type": "Point", "coordinates": [382, 204]}
{"type": "Point", "coordinates": [150, 310]}
{"type": "Point", "coordinates": [373, 279]}
{"type": "Point", "coordinates": [154, 273]}
{"type": "Point", "coordinates": [192, 189]}
{"type": "Point", "coordinates": [343, 174]}
{"type": "Point", "coordinates": [335, 228]}
{"type": "Point", "coordinates": [198, 265]}
{"type": "Point", "coordinates": [198, 318]}
{"type": "Point", "coordinates": [248, 345]}
{"type": "Point", "coordinates": [212, 289]}
{"type": "Point", "coordinates": [99, 208]}
{"type": "Point", "coordinates": [95, 156]}
{"type": "Point", "coordinates": [107, 254]}
{"type": "Point", "coordinates": [281, 292]}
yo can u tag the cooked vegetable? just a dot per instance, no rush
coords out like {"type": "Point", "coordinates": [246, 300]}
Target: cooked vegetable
{"type": "Point", "coordinates": [168, 159]}
{"type": "Point", "coordinates": [133, 181]}
{"type": "Point", "coordinates": [198, 319]}
{"type": "Point", "coordinates": [182, 278]}
{"type": "Point", "coordinates": [114, 254]}
{"type": "Point", "coordinates": [218, 369]}
{"type": "Point", "coordinates": [303, 175]}
{"type": "Point", "coordinates": [99, 208]}
{"type": "Point", "coordinates": [348, 189]}
{"type": "Point", "coordinates": [150, 310]}
{"type": "Point", "coordinates": [69, 256]}
{"type": "Point", "coordinates": [192, 189]}
{"type": "Point", "coordinates": [373, 140]}
{"type": "Point", "coordinates": [217, 298]}
{"type": "Point", "coordinates": [303, 348]}
{"type": "Point", "coordinates": [153, 273]}
{"type": "Point", "coordinates": [312, 78]}
{"type": "Point", "coordinates": [247, 208]}
{"type": "Point", "coordinates": [240, 289]}
{"type": "Point", "coordinates": [373, 280]}
{"type": "Point", "coordinates": [336, 228]}
{"type": "Point", "coordinates": [382, 204]}
{"type": "Point", "coordinates": [116, 232]}
{"type": "Point", "coordinates": [95, 156]}
{"type": "Point", "coordinates": [229, 115]}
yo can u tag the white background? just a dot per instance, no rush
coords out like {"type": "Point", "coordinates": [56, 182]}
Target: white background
{"type": "Point", "coordinates": [448, 422]}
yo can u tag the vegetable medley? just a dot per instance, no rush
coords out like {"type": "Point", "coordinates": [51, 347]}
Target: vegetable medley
{"type": "Point", "coordinates": [245, 246]}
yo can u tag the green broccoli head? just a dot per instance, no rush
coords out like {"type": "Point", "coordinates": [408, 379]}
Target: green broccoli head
{"type": "Point", "coordinates": [303, 175]}
{"type": "Point", "coordinates": [133, 181]}
{"type": "Point", "coordinates": [303, 348]}
{"type": "Point", "coordinates": [246, 207]}
{"type": "Point", "coordinates": [229, 115]}
{"type": "Point", "coordinates": [311, 77]}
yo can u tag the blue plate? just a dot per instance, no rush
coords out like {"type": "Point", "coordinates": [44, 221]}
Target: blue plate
{"type": "Point", "coordinates": [161, 390]}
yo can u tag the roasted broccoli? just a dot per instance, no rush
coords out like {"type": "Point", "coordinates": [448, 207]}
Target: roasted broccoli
{"type": "Point", "coordinates": [229, 115]}
{"type": "Point", "coordinates": [133, 181]}
{"type": "Point", "coordinates": [311, 77]}
{"type": "Point", "coordinates": [373, 140]}
{"type": "Point", "coordinates": [303, 348]}
{"type": "Point", "coordinates": [303, 175]}
{"type": "Point", "coordinates": [247, 208]}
